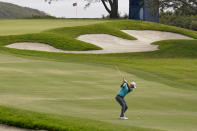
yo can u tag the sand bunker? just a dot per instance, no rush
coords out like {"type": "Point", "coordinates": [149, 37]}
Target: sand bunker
{"type": "Point", "coordinates": [34, 46]}
{"type": "Point", "coordinates": [109, 43]}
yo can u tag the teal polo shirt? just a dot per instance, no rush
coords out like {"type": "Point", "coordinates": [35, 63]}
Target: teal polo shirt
{"type": "Point", "coordinates": [124, 90]}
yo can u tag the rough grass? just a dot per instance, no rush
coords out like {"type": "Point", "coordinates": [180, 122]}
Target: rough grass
{"type": "Point", "coordinates": [92, 29]}
{"type": "Point", "coordinates": [34, 120]}
{"type": "Point", "coordinates": [56, 40]}
{"type": "Point", "coordinates": [141, 25]}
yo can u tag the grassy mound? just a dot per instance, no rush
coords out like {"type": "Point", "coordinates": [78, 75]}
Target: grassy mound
{"type": "Point", "coordinates": [141, 25]}
{"type": "Point", "coordinates": [34, 120]}
{"type": "Point", "coordinates": [93, 29]}
{"type": "Point", "coordinates": [8, 10]}
{"type": "Point", "coordinates": [64, 38]}
{"type": "Point", "coordinates": [56, 40]}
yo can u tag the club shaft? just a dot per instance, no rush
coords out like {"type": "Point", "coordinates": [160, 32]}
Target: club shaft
{"type": "Point", "coordinates": [119, 72]}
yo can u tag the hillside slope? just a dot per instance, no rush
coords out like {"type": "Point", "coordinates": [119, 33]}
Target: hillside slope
{"type": "Point", "coordinates": [8, 10]}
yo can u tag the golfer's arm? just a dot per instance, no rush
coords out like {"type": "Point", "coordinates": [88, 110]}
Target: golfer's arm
{"type": "Point", "coordinates": [127, 85]}
{"type": "Point", "coordinates": [122, 84]}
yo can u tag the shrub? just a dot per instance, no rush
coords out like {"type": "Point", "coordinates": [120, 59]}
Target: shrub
{"type": "Point", "coordinates": [188, 22]}
{"type": "Point", "coordinates": [193, 25]}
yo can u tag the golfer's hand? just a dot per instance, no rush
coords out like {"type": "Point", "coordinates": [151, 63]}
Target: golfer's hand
{"type": "Point", "coordinates": [125, 81]}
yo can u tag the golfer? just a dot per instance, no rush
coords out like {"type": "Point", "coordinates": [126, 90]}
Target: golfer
{"type": "Point", "coordinates": [125, 89]}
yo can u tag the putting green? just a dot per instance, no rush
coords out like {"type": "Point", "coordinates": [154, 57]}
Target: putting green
{"type": "Point", "coordinates": [88, 91]}
{"type": "Point", "coordinates": [24, 26]}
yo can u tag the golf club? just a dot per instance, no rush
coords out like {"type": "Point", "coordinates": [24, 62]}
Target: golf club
{"type": "Point", "coordinates": [119, 72]}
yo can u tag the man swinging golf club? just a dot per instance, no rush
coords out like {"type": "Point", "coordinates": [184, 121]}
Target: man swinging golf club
{"type": "Point", "coordinates": [125, 89]}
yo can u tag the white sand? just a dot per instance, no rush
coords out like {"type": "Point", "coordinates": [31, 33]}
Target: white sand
{"type": "Point", "coordinates": [34, 46]}
{"type": "Point", "coordinates": [109, 43]}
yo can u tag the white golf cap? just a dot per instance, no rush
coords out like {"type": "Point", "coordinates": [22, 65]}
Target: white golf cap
{"type": "Point", "coordinates": [133, 84]}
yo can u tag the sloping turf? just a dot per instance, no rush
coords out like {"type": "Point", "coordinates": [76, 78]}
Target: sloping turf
{"type": "Point", "coordinates": [88, 91]}
{"type": "Point", "coordinates": [78, 90]}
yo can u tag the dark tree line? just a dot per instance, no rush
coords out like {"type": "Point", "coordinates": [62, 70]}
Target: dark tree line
{"type": "Point", "coordinates": [187, 7]}
{"type": "Point", "coordinates": [182, 7]}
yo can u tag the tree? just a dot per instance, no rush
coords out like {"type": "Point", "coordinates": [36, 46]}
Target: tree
{"type": "Point", "coordinates": [174, 7]}
{"type": "Point", "coordinates": [182, 7]}
{"type": "Point", "coordinates": [112, 10]}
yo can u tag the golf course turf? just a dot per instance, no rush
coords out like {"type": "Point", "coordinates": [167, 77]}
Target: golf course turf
{"type": "Point", "coordinates": [57, 91]}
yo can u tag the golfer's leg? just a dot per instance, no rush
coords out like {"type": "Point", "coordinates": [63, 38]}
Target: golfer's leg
{"type": "Point", "coordinates": [121, 102]}
{"type": "Point", "coordinates": [126, 106]}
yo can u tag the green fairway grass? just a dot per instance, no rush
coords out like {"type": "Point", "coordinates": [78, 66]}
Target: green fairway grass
{"type": "Point", "coordinates": [58, 91]}
{"type": "Point", "coordinates": [87, 91]}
